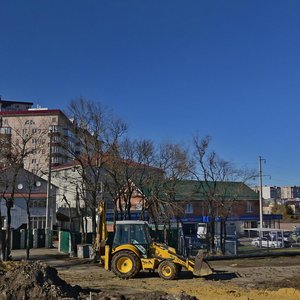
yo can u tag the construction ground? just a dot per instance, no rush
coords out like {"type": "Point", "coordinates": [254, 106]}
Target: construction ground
{"type": "Point", "coordinates": [248, 278]}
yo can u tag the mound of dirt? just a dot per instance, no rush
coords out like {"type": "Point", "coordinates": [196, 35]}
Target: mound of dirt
{"type": "Point", "coordinates": [35, 280]}
{"type": "Point", "coordinates": [144, 296]}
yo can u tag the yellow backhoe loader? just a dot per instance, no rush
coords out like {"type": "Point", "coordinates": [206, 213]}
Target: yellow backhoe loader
{"type": "Point", "coordinates": [133, 251]}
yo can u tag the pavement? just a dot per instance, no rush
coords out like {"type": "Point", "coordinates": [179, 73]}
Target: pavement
{"type": "Point", "coordinates": [51, 256]}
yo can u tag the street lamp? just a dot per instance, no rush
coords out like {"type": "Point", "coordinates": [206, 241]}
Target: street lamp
{"type": "Point", "coordinates": [48, 202]}
{"type": "Point", "coordinates": [260, 159]}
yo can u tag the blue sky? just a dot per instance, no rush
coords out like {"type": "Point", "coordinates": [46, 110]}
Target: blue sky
{"type": "Point", "coordinates": [230, 69]}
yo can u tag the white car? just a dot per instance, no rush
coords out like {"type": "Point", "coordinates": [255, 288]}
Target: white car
{"type": "Point", "coordinates": [266, 243]}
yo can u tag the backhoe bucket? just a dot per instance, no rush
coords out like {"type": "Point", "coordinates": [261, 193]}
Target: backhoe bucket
{"type": "Point", "coordinates": [201, 267]}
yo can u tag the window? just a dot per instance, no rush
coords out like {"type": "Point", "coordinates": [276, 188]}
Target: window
{"type": "Point", "coordinates": [55, 160]}
{"type": "Point", "coordinates": [33, 161]}
{"type": "Point", "coordinates": [35, 203]}
{"type": "Point", "coordinates": [53, 120]}
{"type": "Point", "coordinates": [55, 139]}
{"type": "Point", "coordinates": [189, 208]}
{"type": "Point", "coordinates": [53, 128]}
{"type": "Point", "coordinates": [55, 149]}
{"type": "Point", "coordinates": [38, 222]}
{"type": "Point", "coordinates": [249, 207]}
{"type": "Point", "coordinates": [7, 130]}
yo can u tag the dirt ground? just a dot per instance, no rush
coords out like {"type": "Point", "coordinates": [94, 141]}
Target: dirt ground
{"type": "Point", "coordinates": [264, 278]}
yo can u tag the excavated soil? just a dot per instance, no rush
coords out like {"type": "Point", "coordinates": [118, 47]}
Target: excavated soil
{"type": "Point", "coordinates": [36, 280]}
{"type": "Point", "coordinates": [268, 278]}
{"type": "Point", "coordinates": [242, 279]}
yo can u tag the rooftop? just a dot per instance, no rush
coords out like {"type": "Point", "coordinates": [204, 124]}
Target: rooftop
{"type": "Point", "coordinates": [225, 190]}
{"type": "Point", "coordinates": [32, 112]}
{"type": "Point", "coordinates": [9, 102]}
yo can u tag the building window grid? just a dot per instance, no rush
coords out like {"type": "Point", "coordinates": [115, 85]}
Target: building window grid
{"type": "Point", "coordinates": [38, 222]}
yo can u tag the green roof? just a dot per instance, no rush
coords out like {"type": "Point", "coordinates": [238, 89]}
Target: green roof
{"type": "Point", "coordinates": [225, 190]}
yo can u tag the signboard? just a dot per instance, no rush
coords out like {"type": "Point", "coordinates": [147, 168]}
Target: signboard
{"type": "Point", "coordinates": [206, 219]}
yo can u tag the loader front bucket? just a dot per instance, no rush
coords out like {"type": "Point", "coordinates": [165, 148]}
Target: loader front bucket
{"type": "Point", "coordinates": [201, 267]}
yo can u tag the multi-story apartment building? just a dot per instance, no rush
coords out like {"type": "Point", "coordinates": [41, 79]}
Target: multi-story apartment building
{"type": "Point", "coordinates": [271, 192]}
{"type": "Point", "coordinates": [6, 105]}
{"type": "Point", "coordinates": [37, 127]}
{"type": "Point", "coordinates": [290, 192]}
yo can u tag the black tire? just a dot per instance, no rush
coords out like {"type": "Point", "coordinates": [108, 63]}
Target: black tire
{"type": "Point", "coordinates": [125, 264]}
{"type": "Point", "coordinates": [167, 270]}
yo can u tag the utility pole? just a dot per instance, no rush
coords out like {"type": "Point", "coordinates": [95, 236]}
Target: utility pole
{"type": "Point", "coordinates": [260, 159]}
{"type": "Point", "coordinates": [48, 203]}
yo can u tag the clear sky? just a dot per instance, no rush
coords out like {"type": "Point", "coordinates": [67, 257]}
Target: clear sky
{"type": "Point", "coordinates": [170, 68]}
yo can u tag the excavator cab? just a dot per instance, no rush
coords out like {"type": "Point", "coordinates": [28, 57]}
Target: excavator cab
{"type": "Point", "coordinates": [135, 233]}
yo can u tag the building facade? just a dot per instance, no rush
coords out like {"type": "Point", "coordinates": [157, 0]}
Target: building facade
{"type": "Point", "coordinates": [36, 128]}
{"type": "Point", "coordinates": [234, 202]}
{"type": "Point", "coordinates": [6, 105]}
{"type": "Point", "coordinates": [29, 188]}
{"type": "Point", "coordinates": [290, 192]}
{"type": "Point", "coordinates": [271, 192]}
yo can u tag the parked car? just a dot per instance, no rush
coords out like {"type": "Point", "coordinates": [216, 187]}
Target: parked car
{"type": "Point", "coordinates": [266, 243]}
{"type": "Point", "coordinates": [277, 235]}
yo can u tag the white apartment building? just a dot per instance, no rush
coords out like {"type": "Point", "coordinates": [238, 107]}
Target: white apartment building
{"type": "Point", "coordinates": [290, 192]}
{"type": "Point", "coordinates": [269, 192]}
{"type": "Point", "coordinates": [71, 193]}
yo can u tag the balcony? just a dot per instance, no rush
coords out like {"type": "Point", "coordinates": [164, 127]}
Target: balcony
{"type": "Point", "coordinates": [5, 130]}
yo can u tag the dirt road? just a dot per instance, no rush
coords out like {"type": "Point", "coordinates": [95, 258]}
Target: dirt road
{"type": "Point", "coordinates": [266, 278]}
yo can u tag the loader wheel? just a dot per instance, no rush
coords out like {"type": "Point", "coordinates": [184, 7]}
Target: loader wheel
{"type": "Point", "coordinates": [167, 270]}
{"type": "Point", "coordinates": [125, 264]}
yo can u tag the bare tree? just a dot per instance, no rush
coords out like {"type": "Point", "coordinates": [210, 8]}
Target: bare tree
{"type": "Point", "coordinates": [216, 177]}
{"type": "Point", "coordinates": [98, 132]}
{"type": "Point", "coordinates": [174, 161]}
{"type": "Point", "coordinates": [128, 167]}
